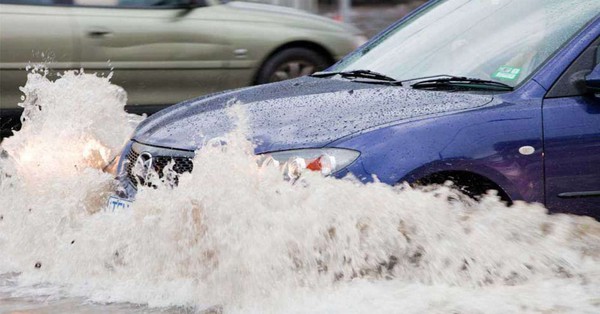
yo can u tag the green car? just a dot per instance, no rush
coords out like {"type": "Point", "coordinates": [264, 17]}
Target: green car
{"type": "Point", "coordinates": [164, 51]}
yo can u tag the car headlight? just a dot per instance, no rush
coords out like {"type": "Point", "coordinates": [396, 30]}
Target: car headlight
{"type": "Point", "coordinates": [324, 160]}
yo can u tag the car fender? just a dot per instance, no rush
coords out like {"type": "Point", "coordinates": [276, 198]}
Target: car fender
{"type": "Point", "coordinates": [487, 141]}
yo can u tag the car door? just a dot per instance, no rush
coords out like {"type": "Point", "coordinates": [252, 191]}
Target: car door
{"type": "Point", "coordinates": [160, 51]}
{"type": "Point", "coordinates": [572, 140]}
{"type": "Point", "coordinates": [31, 32]}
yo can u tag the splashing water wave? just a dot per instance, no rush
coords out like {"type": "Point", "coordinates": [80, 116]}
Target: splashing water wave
{"type": "Point", "coordinates": [236, 235]}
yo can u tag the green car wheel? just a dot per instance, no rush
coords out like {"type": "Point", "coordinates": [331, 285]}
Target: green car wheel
{"type": "Point", "coordinates": [291, 63]}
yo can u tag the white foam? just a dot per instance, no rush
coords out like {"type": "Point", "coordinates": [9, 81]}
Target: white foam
{"type": "Point", "coordinates": [237, 235]}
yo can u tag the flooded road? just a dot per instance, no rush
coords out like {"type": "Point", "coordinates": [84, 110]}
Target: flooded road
{"type": "Point", "coordinates": [235, 237]}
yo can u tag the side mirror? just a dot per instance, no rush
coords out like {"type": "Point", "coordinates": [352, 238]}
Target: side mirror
{"type": "Point", "coordinates": [592, 80]}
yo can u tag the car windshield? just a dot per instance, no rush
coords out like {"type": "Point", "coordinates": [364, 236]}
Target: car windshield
{"type": "Point", "coordinates": [500, 40]}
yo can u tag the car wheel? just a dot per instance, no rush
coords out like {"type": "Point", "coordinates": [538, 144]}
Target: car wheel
{"type": "Point", "coordinates": [468, 184]}
{"type": "Point", "coordinates": [291, 63]}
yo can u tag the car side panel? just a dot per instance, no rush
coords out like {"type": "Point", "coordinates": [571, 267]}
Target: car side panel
{"type": "Point", "coordinates": [31, 34]}
{"type": "Point", "coordinates": [485, 141]}
{"type": "Point", "coordinates": [282, 25]}
{"type": "Point", "coordinates": [572, 134]}
{"type": "Point", "coordinates": [274, 36]}
{"type": "Point", "coordinates": [260, 37]}
{"type": "Point", "coordinates": [159, 55]}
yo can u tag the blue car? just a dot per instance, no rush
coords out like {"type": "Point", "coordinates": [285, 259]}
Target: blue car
{"type": "Point", "coordinates": [492, 95]}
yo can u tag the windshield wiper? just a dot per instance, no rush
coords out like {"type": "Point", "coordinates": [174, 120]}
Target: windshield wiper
{"type": "Point", "coordinates": [458, 82]}
{"type": "Point", "coordinates": [367, 74]}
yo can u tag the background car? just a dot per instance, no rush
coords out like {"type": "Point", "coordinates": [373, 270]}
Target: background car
{"type": "Point", "coordinates": [162, 52]}
{"type": "Point", "coordinates": [519, 112]}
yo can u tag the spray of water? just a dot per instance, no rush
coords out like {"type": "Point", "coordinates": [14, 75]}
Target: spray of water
{"type": "Point", "coordinates": [234, 234]}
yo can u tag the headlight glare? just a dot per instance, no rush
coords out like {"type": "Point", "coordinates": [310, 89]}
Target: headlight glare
{"type": "Point", "coordinates": [324, 160]}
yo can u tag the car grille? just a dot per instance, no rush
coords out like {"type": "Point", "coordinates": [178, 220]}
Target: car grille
{"type": "Point", "coordinates": [181, 165]}
{"type": "Point", "coordinates": [131, 159]}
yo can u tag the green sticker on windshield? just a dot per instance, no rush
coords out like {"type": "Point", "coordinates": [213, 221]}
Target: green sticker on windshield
{"type": "Point", "coordinates": [507, 73]}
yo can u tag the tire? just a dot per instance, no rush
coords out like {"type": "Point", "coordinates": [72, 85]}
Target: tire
{"type": "Point", "coordinates": [468, 184]}
{"type": "Point", "coordinates": [291, 63]}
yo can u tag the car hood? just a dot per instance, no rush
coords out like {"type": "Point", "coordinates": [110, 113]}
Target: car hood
{"type": "Point", "coordinates": [300, 113]}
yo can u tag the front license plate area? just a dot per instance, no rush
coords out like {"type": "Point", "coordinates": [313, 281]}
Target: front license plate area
{"type": "Point", "coordinates": [115, 203]}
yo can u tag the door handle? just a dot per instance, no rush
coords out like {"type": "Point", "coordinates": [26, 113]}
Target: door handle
{"type": "Point", "coordinates": [97, 33]}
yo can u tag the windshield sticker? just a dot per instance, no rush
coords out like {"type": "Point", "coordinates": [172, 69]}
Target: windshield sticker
{"type": "Point", "coordinates": [507, 73]}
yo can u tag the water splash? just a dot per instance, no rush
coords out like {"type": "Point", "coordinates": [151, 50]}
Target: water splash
{"type": "Point", "coordinates": [235, 235]}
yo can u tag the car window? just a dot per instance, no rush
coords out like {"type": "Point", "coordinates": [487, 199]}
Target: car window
{"type": "Point", "coordinates": [571, 82]}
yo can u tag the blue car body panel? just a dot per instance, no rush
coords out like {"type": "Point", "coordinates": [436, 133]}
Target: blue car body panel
{"type": "Point", "coordinates": [328, 109]}
{"type": "Point", "coordinates": [572, 154]}
{"type": "Point", "coordinates": [488, 145]}
{"type": "Point", "coordinates": [405, 134]}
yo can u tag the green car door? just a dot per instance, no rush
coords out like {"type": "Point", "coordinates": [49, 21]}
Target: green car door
{"type": "Point", "coordinates": [31, 32]}
{"type": "Point", "coordinates": [160, 51]}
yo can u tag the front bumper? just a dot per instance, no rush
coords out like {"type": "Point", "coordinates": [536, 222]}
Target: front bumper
{"type": "Point", "coordinates": [138, 159]}
{"type": "Point", "coordinates": [129, 180]}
